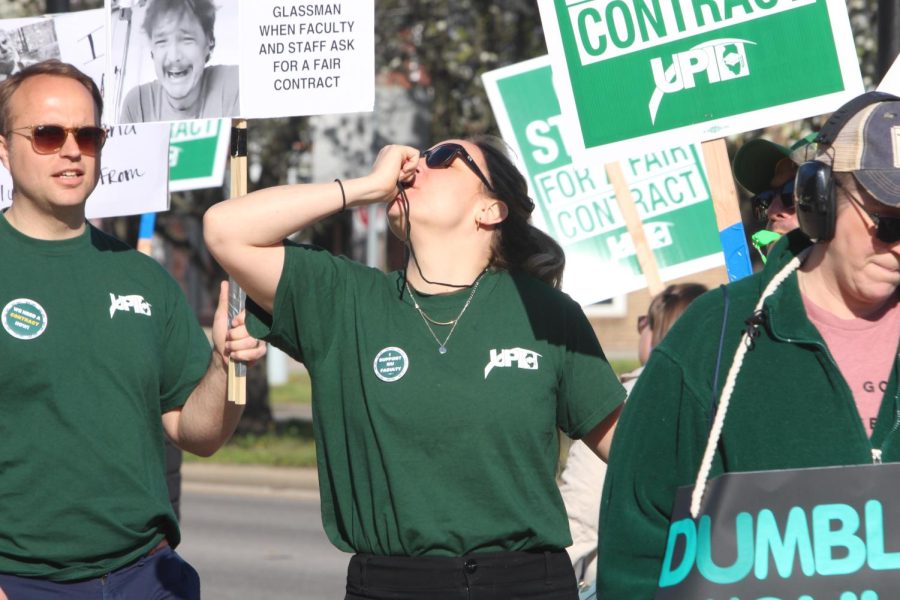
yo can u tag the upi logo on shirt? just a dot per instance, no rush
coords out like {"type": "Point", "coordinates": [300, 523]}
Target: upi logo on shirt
{"type": "Point", "coordinates": [24, 319]}
{"type": "Point", "coordinates": [519, 357]}
{"type": "Point", "coordinates": [132, 303]}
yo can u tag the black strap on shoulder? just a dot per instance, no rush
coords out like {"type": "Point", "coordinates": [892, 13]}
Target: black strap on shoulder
{"type": "Point", "coordinates": [714, 399]}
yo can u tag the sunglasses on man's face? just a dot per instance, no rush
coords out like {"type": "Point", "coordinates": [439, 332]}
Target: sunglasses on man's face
{"type": "Point", "coordinates": [47, 139]}
{"type": "Point", "coordinates": [762, 201]}
{"type": "Point", "coordinates": [887, 229]}
{"type": "Point", "coordinates": [443, 155]}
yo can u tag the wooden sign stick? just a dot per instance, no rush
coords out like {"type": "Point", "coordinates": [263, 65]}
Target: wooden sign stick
{"type": "Point", "coordinates": [727, 208]}
{"type": "Point", "coordinates": [237, 371]}
{"type": "Point", "coordinates": [635, 228]}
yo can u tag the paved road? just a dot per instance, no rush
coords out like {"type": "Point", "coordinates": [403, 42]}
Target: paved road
{"type": "Point", "coordinates": [258, 545]}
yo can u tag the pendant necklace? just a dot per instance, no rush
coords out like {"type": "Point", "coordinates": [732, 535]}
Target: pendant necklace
{"type": "Point", "coordinates": [442, 346]}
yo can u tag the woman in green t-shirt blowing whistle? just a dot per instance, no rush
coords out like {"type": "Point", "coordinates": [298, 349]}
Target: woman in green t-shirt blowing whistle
{"type": "Point", "coordinates": [438, 389]}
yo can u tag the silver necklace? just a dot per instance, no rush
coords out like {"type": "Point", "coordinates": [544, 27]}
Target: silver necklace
{"type": "Point", "coordinates": [442, 346]}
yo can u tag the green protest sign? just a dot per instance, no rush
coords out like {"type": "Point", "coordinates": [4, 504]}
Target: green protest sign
{"type": "Point", "coordinates": [633, 71]}
{"type": "Point", "coordinates": [197, 151]}
{"type": "Point", "coordinates": [575, 203]}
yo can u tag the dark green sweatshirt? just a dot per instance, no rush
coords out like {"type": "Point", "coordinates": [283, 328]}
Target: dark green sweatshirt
{"type": "Point", "coordinates": [791, 408]}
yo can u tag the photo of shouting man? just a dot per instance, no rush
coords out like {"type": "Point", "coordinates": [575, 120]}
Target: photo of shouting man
{"type": "Point", "coordinates": [181, 38]}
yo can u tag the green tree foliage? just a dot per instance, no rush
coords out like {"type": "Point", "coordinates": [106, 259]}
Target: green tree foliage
{"type": "Point", "coordinates": [444, 47]}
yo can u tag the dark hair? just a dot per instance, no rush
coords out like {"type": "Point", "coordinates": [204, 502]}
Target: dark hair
{"type": "Point", "coordinates": [517, 244]}
{"type": "Point", "coordinates": [204, 10]}
{"type": "Point", "coordinates": [667, 306]}
{"type": "Point", "coordinates": [53, 67]}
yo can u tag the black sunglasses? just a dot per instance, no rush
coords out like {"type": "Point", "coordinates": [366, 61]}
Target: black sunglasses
{"type": "Point", "coordinates": [763, 200]}
{"type": "Point", "coordinates": [442, 155]}
{"type": "Point", "coordinates": [887, 229]}
{"type": "Point", "coordinates": [47, 139]}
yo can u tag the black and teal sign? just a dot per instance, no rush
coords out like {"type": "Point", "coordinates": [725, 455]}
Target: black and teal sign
{"type": "Point", "coordinates": [805, 534]}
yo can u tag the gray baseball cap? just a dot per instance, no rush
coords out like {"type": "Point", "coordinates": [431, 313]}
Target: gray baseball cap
{"type": "Point", "coordinates": [869, 147]}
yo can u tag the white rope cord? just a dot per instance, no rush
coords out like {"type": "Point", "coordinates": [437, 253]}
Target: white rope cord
{"type": "Point", "coordinates": [716, 430]}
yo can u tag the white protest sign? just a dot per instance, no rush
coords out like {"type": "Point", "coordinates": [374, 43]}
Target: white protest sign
{"type": "Point", "coordinates": [307, 59]}
{"type": "Point", "coordinates": [26, 41]}
{"type": "Point", "coordinates": [891, 81]}
{"type": "Point", "coordinates": [172, 62]}
{"type": "Point", "coordinates": [134, 174]}
{"type": "Point", "coordinates": [633, 75]}
{"type": "Point", "coordinates": [238, 59]}
{"type": "Point", "coordinates": [82, 41]}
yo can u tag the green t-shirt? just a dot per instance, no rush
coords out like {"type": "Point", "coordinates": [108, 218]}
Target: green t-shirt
{"type": "Point", "coordinates": [422, 453]}
{"type": "Point", "coordinates": [96, 341]}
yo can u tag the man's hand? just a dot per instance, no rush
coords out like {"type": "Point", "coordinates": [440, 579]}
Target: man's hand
{"type": "Point", "coordinates": [236, 342]}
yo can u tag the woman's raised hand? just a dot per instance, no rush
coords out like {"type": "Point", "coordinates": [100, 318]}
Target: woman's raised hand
{"type": "Point", "coordinates": [394, 163]}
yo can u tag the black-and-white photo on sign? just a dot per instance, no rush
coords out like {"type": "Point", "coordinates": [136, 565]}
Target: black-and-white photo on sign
{"type": "Point", "coordinates": [172, 60]}
{"type": "Point", "coordinates": [24, 42]}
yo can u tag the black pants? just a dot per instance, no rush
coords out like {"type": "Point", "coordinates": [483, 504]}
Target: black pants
{"type": "Point", "coordinates": [496, 576]}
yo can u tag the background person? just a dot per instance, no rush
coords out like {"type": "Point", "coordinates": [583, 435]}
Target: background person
{"type": "Point", "coordinates": [102, 358]}
{"type": "Point", "coordinates": [767, 170]}
{"type": "Point", "coordinates": [830, 326]}
{"type": "Point", "coordinates": [438, 389]}
{"type": "Point", "coordinates": [181, 35]}
{"type": "Point", "coordinates": [581, 480]}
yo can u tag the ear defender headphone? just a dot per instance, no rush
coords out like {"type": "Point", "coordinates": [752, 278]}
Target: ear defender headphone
{"type": "Point", "coordinates": [814, 194]}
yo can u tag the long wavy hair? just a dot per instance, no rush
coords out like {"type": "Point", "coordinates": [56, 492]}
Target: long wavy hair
{"type": "Point", "coordinates": [517, 244]}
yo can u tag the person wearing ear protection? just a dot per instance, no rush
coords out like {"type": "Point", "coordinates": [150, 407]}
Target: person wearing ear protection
{"type": "Point", "coordinates": [181, 35]}
{"type": "Point", "coordinates": [438, 389]}
{"type": "Point", "coordinates": [818, 384]}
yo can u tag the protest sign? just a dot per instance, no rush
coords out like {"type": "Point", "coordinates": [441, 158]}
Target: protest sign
{"type": "Point", "coordinates": [638, 74]}
{"type": "Point", "coordinates": [24, 42]}
{"type": "Point", "coordinates": [890, 83]}
{"type": "Point", "coordinates": [82, 41]}
{"type": "Point", "coordinates": [132, 180]}
{"type": "Point", "coordinates": [172, 62]}
{"type": "Point", "coordinates": [307, 59]}
{"type": "Point", "coordinates": [197, 152]}
{"type": "Point", "coordinates": [813, 534]}
{"type": "Point", "coordinates": [575, 202]}
{"type": "Point", "coordinates": [244, 58]}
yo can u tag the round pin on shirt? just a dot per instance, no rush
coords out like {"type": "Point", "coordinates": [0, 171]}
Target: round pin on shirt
{"type": "Point", "coordinates": [390, 364]}
{"type": "Point", "coordinates": [24, 319]}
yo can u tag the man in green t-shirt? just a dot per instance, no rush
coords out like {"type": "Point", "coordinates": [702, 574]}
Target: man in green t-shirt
{"type": "Point", "coordinates": [102, 356]}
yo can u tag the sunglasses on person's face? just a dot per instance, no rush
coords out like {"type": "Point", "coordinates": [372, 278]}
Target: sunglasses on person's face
{"type": "Point", "coordinates": [443, 155]}
{"type": "Point", "coordinates": [762, 201]}
{"type": "Point", "coordinates": [47, 139]}
{"type": "Point", "coordinates": [887, 229]}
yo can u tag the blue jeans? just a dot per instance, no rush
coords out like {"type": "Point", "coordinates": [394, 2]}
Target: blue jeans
{"type": "Point", "coordinates": [161, 576]}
